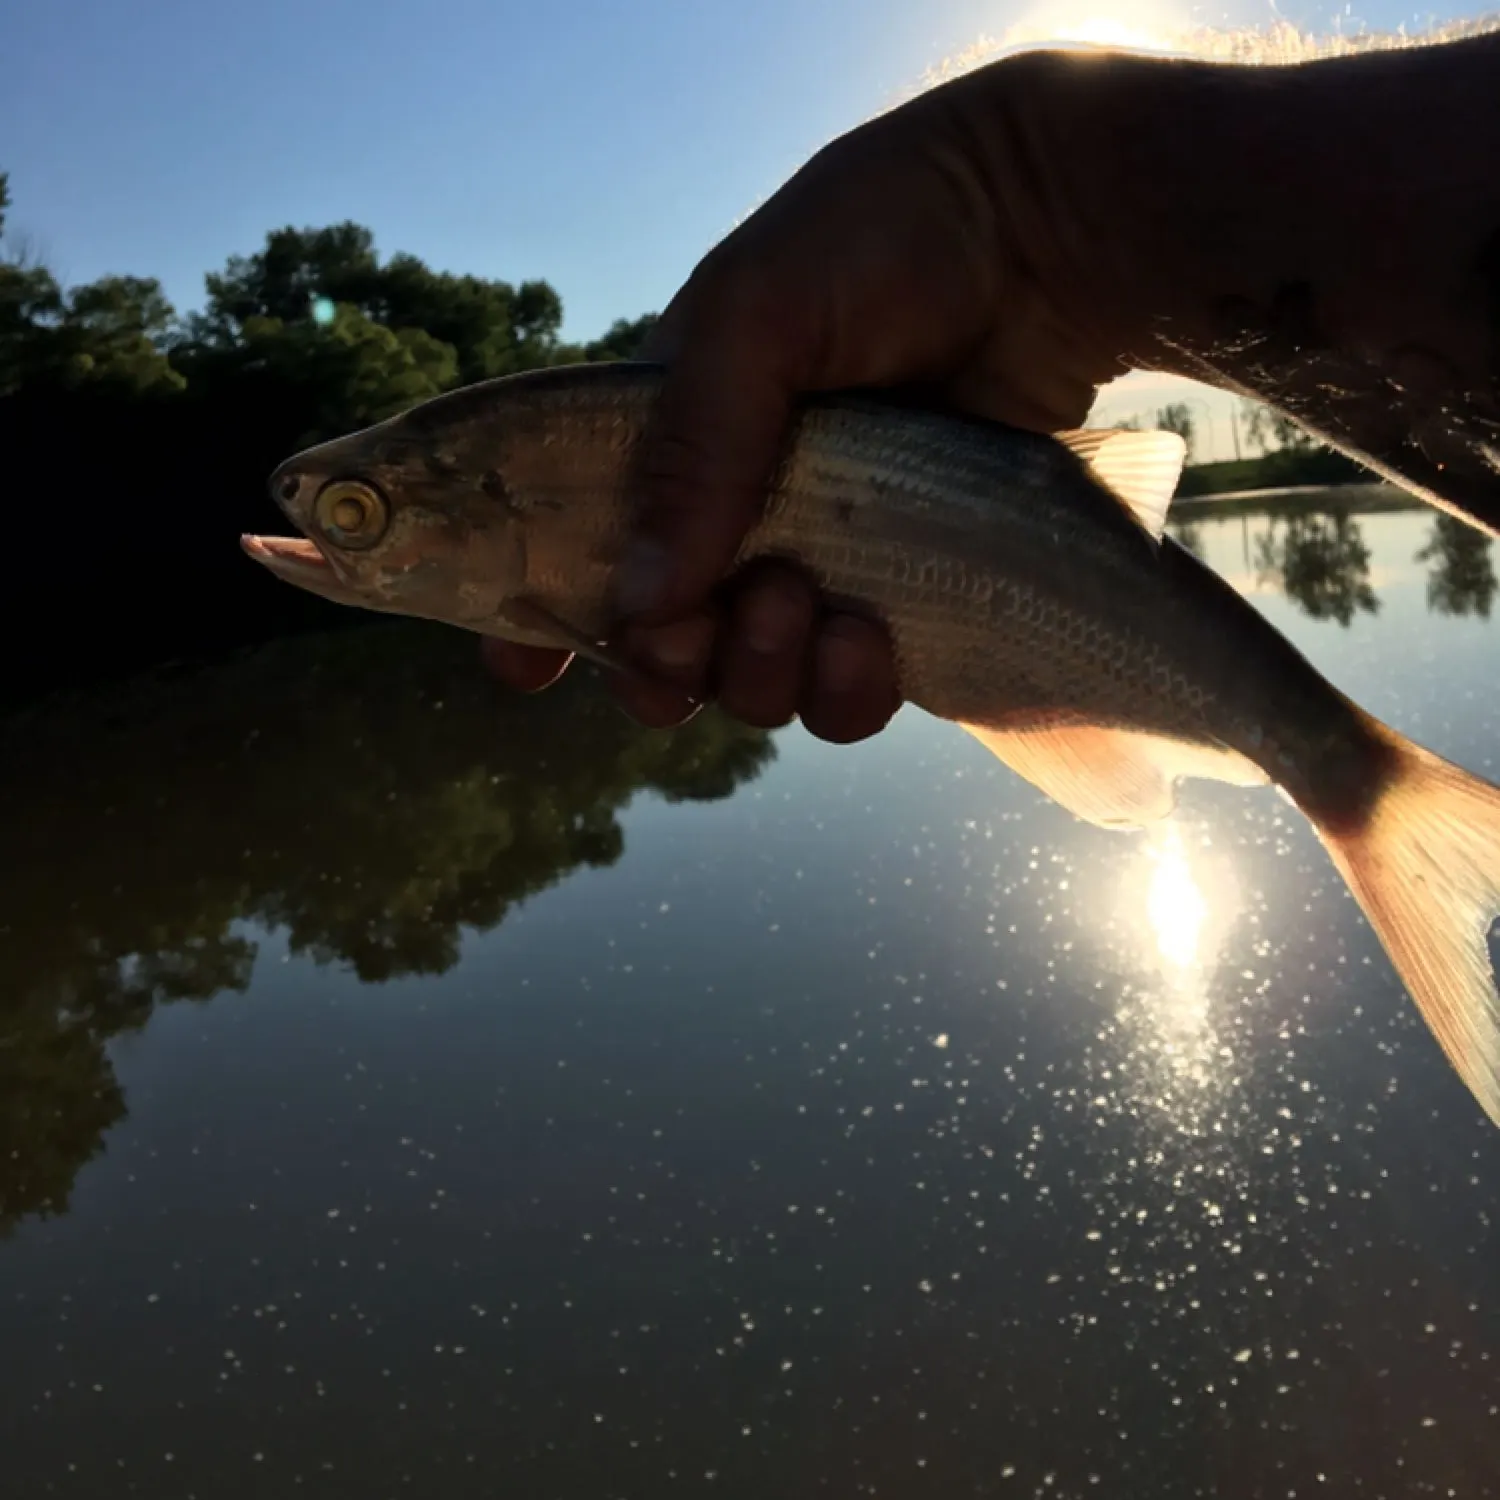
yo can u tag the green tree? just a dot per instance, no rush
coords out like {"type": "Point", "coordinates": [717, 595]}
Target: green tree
{"type": "Point", "coordinates": [283, 280]}
{"type": "Point", "coordinates": [30, 303]}
{"type": "Point", "coordinates": [622, 339]}
{"type": "Point", "coordinates": [1178, 418]}
{"type": "Point", "coordinates": [116, 329]}
{"type": "Point", "coordinates": [349, 372]}
{"type": "Point", "coordinates": [493, 327]}
{"type": "Point", "coordinates": [1274, 431]}
{"type": "Point", "coordinates": [113, 330]}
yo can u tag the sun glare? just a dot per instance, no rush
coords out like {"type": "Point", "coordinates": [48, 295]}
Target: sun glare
{"type": "Point", "coordinates": [1171, 26]}
{"type": "Point", "coordinates": [1175, 905]}
{"type": "Point", "coordinates": [1134, 27]}
{"type": "Point", "coordinates": [1108, 31]}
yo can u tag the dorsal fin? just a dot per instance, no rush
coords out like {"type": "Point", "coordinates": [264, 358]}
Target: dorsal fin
{"type": "Point", "coordinates": [1140, 468]}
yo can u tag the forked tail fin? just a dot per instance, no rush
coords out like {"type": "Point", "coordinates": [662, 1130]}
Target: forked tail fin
{"type": "Point", "coordinates": [1426, 870]}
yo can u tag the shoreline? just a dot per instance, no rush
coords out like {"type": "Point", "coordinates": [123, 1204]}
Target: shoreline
{"type": "Point", "coordinates": [1365, 495]}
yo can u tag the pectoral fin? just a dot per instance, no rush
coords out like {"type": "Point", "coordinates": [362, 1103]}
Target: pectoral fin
{"type": "Point", "coordinates": [1115, 778]}
{"type": "Point", "coordinates": [532, 625]}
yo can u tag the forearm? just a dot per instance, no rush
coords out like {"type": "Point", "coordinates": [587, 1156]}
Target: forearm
{"type": "Point", "coordinates": [1324, 237]}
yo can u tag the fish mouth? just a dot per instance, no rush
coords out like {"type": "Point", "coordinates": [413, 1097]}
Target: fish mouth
{"type": "Point", "coordinates": [298, 561]}
{"type": "Point", "coordinates": [289, 557]}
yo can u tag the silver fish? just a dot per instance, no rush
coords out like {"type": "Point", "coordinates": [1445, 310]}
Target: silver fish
{"type": "Point", "coordinates": [1030, 597]}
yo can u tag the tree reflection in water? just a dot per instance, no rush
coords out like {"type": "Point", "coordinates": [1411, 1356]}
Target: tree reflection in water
{"type": "Point", "coordinates": [1319, 560]}
{"type": "Point", "coordinates": [370, 793]}
{"type": "Point", "coordinates": [1461, 580]}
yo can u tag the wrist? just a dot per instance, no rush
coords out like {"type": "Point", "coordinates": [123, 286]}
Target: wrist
{"type": "Point", "coordinates": [1192, 211]}
{"type": "Point", "coordinates": [1134, 189]}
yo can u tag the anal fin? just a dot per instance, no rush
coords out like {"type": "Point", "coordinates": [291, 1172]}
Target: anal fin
{"type": "Point", "coordinates": [1115, 778]}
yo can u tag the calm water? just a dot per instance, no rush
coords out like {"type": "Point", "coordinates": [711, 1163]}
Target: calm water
{"type": "Point", "coordinates": [409, 1090]}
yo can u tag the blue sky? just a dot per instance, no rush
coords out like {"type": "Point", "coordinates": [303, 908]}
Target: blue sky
{"type": "Point", "coordinates": [601, 144]}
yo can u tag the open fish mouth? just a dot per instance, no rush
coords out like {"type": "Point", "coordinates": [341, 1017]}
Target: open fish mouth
{"type": "Point", "coordinates": [299, 561]}
{"type": "Point", "coordinates": [289, 557]}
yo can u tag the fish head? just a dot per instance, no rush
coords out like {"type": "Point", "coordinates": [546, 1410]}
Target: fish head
{"type": "Point", "coordinates": [399, 518]}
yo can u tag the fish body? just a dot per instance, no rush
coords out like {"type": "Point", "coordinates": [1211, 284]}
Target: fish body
{"type": "Point", "coordinates": [1028, 591]}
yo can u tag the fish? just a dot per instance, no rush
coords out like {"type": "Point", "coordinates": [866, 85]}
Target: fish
{"type": "Point", "coordinates": [1028, 588]}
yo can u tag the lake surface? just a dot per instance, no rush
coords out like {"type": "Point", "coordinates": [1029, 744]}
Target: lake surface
{"type": "Point", "coordinates": [406, 1089]}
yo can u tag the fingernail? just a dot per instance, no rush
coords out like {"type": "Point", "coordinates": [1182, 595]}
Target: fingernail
{"type": "Point", "coordinates": [838, 662]}
{"type": "Point", "coordinates": [675, 649]}
{"type": "Point", "coordinates": [641, 578]}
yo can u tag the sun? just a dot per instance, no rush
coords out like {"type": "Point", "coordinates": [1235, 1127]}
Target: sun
{"type": "Point", "coordinates": [1160, 26]}
{"type": "Point", "coordinates": [1128, 24]}
{"type": "Point", "coordinates": [1110, 31]}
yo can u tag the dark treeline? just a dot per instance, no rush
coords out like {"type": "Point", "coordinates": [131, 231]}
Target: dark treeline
{"type": "Point", "coordinates": [138, 441]}
{"type": "Point", "coordinates": [1294, 464]}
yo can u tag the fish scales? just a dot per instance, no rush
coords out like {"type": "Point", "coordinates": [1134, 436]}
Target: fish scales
{"type": "Point", "coordinates": [964, 628]}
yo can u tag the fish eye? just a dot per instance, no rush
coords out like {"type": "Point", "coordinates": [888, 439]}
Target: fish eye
{"type": "Point", "coordinates": [352, 513]}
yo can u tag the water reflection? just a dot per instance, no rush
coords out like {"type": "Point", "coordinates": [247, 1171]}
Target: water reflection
{"type": "Point", "coordinates": [1321, 561]}
{"type": "Point", "coordinates": [367, 794]}
{"type": "Point", "coordinates": [1181, 1068]}
{"type": "Point", "coordinates": [878, 1130]}
{"type": "Point", "coordinates": [1174, 903]}
{"type": "Point", "coordinates": [1461, 580]}
{"type": "Point", "coordinates": [1189, 534]}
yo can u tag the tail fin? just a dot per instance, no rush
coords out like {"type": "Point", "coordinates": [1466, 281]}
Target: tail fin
{"type": "Point", "coordinates": [1426, 870]}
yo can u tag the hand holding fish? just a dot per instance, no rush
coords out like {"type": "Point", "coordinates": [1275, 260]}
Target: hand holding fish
{"type": "Point", "coordinates": [887, 260]}
{"type": "Point", "coordinates": [1007, 243]}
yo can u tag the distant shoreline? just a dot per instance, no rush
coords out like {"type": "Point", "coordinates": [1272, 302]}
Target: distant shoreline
{"type": "Point", "coordinates": [1282, 468]}
{"type": "Point", "coordinates": [1365, 495]}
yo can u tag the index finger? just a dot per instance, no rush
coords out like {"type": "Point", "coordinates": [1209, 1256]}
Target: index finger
{"type": "Point", "coordinates": [736, 348]}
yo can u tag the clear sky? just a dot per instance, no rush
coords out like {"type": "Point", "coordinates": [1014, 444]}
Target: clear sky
{"type": "Point", "coordinates": [601, 144]}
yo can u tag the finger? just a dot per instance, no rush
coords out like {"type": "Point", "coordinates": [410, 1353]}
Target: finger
{"type": "Point", "coordinates": [763, 662]}
{"type": "Point", "coordinates": [653, 706]}
{"type": "Point", "coordinates": [740, 348]}
{"type": "Point", "coordinates": [871, 265]}
{"type": "Point", "coordinates": [674, 660]}
{"type": "Point", "coordinates": [528, 669]}
{"type": "Point", "coordinates": [1053, 397]}
{"type": "Point", "coordinates": [854, 692]}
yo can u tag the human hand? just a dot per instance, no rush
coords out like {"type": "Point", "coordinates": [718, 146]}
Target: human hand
{"type": "Point", "coordinates": [912, 251]}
